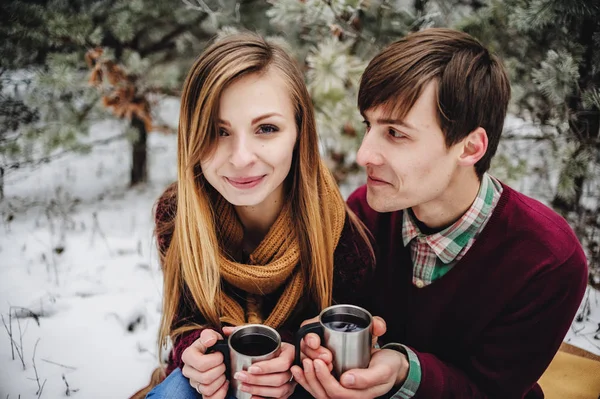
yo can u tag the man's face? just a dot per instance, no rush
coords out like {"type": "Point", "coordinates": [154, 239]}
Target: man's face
{"type": "Point", "coordinates": [407, 161]}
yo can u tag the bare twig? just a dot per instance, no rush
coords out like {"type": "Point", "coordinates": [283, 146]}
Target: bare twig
{"type": "Point", "coordinates": [37, 377]}
{"type": "Point", "coordinates": [13, 343]}
{"type": "Point", "coordinates": [69, 391]}
{"type": "Point", "coordinates": [20, 343]}
{"type": "Point", "coordinates": [45, 159]}
{"type": "Point", "coordinates": [9, 332]}
{"type": "Point", "coordinates": [58, 364]}
{"type": "Point", "coordinates": [96, 228]}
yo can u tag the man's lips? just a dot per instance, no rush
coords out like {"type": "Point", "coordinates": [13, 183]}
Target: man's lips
{"type": "Point", "coordinates": [376, 180]}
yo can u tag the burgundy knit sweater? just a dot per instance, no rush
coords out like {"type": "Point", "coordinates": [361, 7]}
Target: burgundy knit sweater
{"type": "Point", "coordinates": [490, 327]}
{"type": "Point", "coordinates": [353, 270]}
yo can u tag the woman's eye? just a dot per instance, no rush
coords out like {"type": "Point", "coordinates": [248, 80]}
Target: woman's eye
{"type": "Point", "coordinates": [223, 133]}
{"type": "Point", "coordinates": [267, 129]}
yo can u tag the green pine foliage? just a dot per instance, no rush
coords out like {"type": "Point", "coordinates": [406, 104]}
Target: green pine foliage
{"type": "Point", "coordinates": [46, 100]}
{"type": "Point", "coordinates": [552, 50]}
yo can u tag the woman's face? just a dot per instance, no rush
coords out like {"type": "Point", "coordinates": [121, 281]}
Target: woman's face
{"type": "Point", "coordinates": [257, 135]}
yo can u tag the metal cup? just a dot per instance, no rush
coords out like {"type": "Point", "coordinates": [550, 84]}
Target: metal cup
{"type": "Point", "coordinates": [247, 345]}
{"type": "Point", "coordinates": [346, 331]}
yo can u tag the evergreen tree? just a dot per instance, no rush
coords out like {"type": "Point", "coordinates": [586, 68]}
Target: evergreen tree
{"type": "Point", "coordinates": [50, 96]}
{"type": "Point", "coordinates": [552, 48]}
{"type": "Point", "coordinates": [333, 41]}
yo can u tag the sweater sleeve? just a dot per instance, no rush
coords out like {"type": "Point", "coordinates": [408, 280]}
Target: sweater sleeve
{"type": "Point", "coordinates": [515, 349]}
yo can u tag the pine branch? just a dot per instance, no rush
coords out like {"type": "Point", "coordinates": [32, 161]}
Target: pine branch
{"type": "Point", "coordinates": [162, 90]}
{"type": "Point", "coordinates": [532, 137]}
{"type": "Point", "coordinates": [166, 42]}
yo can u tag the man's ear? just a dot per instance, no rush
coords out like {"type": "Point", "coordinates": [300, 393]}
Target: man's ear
{"type": "Point", "coordinates": [474, 147]}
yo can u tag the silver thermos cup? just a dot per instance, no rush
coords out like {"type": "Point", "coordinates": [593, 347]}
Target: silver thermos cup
{"type": "Point", "coordinates": [247, 345]}
{"type": "Point", "coordinates": [346, 331]}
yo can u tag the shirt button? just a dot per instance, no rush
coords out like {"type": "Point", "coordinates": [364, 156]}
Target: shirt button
{"type": "Point", "coordinates": [419, 283]}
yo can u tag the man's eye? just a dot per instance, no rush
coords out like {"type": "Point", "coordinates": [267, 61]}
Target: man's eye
{"type": "Point", "coordinates": [267, 129]}
{"type": "Point", "coordinates": [395, 134]}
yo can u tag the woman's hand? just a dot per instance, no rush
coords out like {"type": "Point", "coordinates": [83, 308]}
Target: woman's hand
{"type": "Point", "coordinates": [270, 378]}
{"type": "Point", "coordinates": [205, 372]}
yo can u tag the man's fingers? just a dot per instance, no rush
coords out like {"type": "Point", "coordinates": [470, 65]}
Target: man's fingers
{"type": "Point", "coordinates": [330, 385]}
{"type": "Point", "coordinates": [366, 378]}
{"type": "Point", "coordinates": [379, 327]}
{"type": "Point", "coordinates": [315, 386]}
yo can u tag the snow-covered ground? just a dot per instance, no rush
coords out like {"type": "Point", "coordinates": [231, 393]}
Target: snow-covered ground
{"type": "Point", "coordinates": [76, 249]}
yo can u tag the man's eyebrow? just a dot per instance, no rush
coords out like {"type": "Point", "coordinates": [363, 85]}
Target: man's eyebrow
{"type": "Point", "coordinates": [398, 122]}
{"type": "Point", "coordinates": [388, 121]}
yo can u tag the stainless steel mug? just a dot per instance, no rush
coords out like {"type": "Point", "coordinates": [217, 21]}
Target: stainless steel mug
{"type": "Point", "coordinates": [346, 331]}
{"type": "Point", "coordinates": [247, 345]}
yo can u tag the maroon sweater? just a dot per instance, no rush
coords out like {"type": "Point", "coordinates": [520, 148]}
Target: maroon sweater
{"type": "Point", "coordinates": [490, 327]}
{"type": "Point", "coordinates": [353, 269]}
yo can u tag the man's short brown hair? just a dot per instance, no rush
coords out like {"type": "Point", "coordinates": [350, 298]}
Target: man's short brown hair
{"type": "Point", "coordinates": [473, 87]}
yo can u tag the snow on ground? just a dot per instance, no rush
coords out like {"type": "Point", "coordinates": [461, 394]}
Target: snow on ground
{"type": "Point", "coordinates": [76, 249]}
{"type": "Point", "coordinates": [79, 253]}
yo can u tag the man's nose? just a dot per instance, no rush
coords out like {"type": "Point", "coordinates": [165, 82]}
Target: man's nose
{"type": "Point", "coordinates": [369, 152]}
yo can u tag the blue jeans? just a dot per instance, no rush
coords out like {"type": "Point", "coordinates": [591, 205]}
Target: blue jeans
{"type": "Point", "coordinates": [175, 386]}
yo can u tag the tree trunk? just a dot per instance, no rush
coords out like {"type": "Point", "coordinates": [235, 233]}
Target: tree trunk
{"type": "Point", "coordinates": [420, 5]}
{"type": "Point", "coordinates": [139, 165]}
{"type": "Point", "coordinates": [1, 183]}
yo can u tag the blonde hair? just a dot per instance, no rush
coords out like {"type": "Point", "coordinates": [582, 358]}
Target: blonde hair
{"type": "Point", "coordinates": [190, 264]}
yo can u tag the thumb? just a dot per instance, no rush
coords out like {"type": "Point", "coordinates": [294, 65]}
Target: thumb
{"type": "Point", "coordinates": [379, 327]}
{"type": "Point", "coordinates": [207, 339]}
{"type": "Point", "coordinates": [362, 378]}
{"type": "Point", "coordinates": [228, 330]}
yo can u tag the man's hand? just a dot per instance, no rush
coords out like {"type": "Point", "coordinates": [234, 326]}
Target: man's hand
{"type": "Point", "coordinates": [311, 344]}
{"type": "Point", "coordinates": [388, 368]}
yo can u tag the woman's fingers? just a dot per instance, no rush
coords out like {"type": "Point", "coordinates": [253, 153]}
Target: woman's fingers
{"type": "Point", "coordinates": [205, 377]}
{"type": "Point", "coordinates": [220, 393]}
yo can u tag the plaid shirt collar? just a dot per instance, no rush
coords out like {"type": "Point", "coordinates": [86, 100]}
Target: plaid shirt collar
{"type": "Point", "coordinates": [448, 243]}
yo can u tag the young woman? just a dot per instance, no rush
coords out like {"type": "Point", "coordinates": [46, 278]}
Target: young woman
{"type": "Point", "coordinates": [255, 229]}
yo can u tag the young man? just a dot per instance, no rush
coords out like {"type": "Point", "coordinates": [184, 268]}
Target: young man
{"type": "Point", "coordinates": [478, 284]}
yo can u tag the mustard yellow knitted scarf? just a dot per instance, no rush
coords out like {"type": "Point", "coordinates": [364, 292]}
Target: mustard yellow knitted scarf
{"type": "Point", "coordinates": [274, 262]}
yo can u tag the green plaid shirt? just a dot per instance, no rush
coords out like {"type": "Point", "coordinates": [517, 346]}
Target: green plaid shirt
{"type": "Point", "coordinates": [435, 254]}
